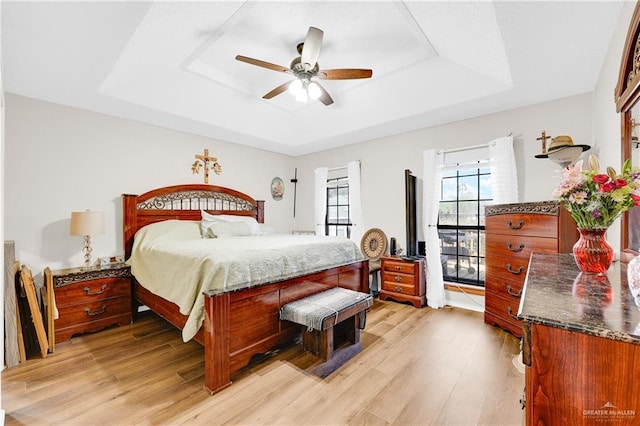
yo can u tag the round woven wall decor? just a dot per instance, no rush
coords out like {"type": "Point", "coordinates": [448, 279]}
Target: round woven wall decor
{"type": "Point", "coordinates": [374, 243]}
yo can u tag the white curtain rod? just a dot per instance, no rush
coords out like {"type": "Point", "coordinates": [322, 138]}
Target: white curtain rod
{"type": "Point", "coordinates": [467, 148]}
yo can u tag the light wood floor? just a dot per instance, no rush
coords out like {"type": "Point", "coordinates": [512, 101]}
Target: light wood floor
{"type": "Point", "coordinates": [417, 367]}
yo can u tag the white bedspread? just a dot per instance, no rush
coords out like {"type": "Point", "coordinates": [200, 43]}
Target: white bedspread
{"type": "Point", "coordinates": [173, 261]}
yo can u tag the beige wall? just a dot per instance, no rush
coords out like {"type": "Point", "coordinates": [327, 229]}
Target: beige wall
{"type": "Point", "coordinates": [61, 159]}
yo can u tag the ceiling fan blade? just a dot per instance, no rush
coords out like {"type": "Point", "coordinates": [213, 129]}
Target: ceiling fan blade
{"type": "Point", "coordinates": [277, 90]}
{"type": "Point", "coordinates": [263, 64]}
{"type": "Point", "coordinates": [345, 74]}
{"type": "Point", "coordinates": [325, 98]}
{"type": "Point", "coordinates": [311, 48]}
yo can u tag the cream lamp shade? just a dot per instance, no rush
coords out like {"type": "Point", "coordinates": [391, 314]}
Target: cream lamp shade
{"type": "Point", "coordinates": [86, 224]}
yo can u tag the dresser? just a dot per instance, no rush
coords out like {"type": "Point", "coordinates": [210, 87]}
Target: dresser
{"type": "Point", "coordinates": [581, 345]}
{"type": "Point", "coordinates": [403, 280]}
{"type": "Point", "coordinates": [87, 300]}
{"type": "Point", "coordinates": [513, 232]}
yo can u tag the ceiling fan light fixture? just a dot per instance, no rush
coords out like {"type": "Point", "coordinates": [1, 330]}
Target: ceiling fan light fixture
{"type": "Point", "coordinates": [295, 87]}
{"type": "Point", "coordinates": [304, 68]}
{"type": "Point", "coordinates": [302, 95]}
{"type": "Point", "coordinates": [314, 90]}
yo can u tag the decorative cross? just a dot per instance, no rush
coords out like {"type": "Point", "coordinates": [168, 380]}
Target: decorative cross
{"type": "Point", "coordinates": [209, 163]}
{"type": "Point", "coordinates": [544, 138]}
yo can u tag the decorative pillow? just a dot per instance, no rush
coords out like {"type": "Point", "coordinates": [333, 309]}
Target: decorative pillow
{"type": "Point", "coordinates": [227, 229]}
{"type": "Point", "coordinates": [265, 229]}
{"type": "Point", "coordinates": [208, 219]}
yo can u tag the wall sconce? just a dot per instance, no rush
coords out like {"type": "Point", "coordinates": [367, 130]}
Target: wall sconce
{"type": "Point", "coordinates": [561, 150]}
{"type": "Point", "coordinates": [87, 223]}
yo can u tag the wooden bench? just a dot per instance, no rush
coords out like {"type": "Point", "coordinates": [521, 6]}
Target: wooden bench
{"type": "Point", "coordinates": [333, 319]}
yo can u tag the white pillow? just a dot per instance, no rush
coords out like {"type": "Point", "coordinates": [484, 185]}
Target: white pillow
{"type": "Point", "coordinates": [265, 229]}
{"type": "Point", "coordinates": [227, 229]}
{"type": "Point", "coordinates": [208, 219]}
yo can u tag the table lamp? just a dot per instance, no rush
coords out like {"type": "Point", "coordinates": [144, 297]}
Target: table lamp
{"type": "Point", "coordinates": [87, 223]}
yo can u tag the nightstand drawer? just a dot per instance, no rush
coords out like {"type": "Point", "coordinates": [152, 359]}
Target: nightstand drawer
{"type": "Point", "coordinates": [402, 267]}
{"type": "Point", "coordinates": [89, 291]}
{"type": "Point", "coordinates": [398, 288]}
{"type": "Point", "coordinates": [92, 311]}
{"type": "Point", "coordinates": [393, 279]}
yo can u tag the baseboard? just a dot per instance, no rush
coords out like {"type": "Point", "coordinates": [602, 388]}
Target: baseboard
{"type": "Point", "coordinates": [462, 300]}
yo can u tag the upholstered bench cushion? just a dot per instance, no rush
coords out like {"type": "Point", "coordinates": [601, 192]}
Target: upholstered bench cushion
{"type": "Point", "coordinates": [323, 310]}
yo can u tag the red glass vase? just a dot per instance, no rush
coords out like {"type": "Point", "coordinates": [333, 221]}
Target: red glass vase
{"type": "Point", "coordinates": [592, 252]}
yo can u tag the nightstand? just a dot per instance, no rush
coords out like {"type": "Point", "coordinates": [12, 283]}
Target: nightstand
{"type": "Point", "coordinates": [87, 300]}
{"type": "Point", "coordinates": [403, 280]}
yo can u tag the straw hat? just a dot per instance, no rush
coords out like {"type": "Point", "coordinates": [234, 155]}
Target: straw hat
{"type": "Point", "coordinates": [559, 143]}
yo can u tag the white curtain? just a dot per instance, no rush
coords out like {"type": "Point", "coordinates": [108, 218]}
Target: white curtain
{"type": "Point", "coordinates": [504, 174]}
{"type": "Point", "coordinates": [431, 198]}
{"type": "Point", "coordinates": [355, 202]}
{"type": "Point", "coordinates": [320, 198]}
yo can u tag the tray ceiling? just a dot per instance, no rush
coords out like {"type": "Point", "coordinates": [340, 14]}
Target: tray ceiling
{"type": "Point", "coordinates": [173, 64]}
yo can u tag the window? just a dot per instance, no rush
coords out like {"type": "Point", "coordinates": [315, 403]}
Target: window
{"type": "Point", "coordinates": [338, 219]}
{"type": "Point", "coordinates": [465, 190]}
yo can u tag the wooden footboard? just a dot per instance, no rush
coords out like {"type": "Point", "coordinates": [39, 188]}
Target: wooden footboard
{"type": "Point", "coordinates": [244, 323]}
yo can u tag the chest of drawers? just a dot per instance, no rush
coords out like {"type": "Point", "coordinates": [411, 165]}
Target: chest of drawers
{"type": "Point", "coordinates": [87, 300]}
{"type": "Point", "coordinates": [513, 232]}
{"type": "Point", "coordinates": [403, 280]}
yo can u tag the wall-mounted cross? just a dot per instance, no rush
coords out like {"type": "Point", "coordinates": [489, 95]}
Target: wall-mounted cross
{"type": "Point", "coordinates": [208, 163]}
{"type": "Point", "coordinates": [544, 138]}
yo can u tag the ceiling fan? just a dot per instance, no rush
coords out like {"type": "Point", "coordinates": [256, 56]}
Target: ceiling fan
{"type": "Point", "coordinates": [306, 70]}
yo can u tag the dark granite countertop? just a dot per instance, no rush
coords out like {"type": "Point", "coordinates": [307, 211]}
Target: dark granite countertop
{"type": "Point", "coordinates": [557, 294]}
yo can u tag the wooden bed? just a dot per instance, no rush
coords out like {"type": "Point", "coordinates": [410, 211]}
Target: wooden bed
{"type": "Point", "coordinates": [241, 323]}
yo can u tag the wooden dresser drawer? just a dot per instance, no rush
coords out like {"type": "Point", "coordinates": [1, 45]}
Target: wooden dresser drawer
{"type": "Point", "coordinates": [506, 310]}
{"type": "Point", "coordinates": [88, 291]}
{"type": "Point", "coordinates": [507, 267]}
{"type": "Point", "coordinates": [505, 287]}
{"type": "Point", "coordinates": [535, 225]}
{"type": "Point", "coordinates": [519, 246]}
{"type": "Point", "coordinates": [92, 311]}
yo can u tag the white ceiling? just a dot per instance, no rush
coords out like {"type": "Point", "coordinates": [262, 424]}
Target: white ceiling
{"type": "Point", "coordinates": [172, 63]}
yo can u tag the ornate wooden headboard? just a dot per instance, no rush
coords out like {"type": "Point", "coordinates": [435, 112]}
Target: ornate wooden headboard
{"type": "Point", "coordinates": [183, 202]}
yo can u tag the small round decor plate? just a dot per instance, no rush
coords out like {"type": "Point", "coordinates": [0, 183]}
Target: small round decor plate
{"type": "Point", "coordinates": [277, 188]}
{"type": "Point", "coordinates": [374, 243]}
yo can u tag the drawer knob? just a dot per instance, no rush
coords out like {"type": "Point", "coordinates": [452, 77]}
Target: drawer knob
{"type": "Point", "coordinates": [513, 293]}
{"type": "Point", "coordinates": [510, 312]}
{"type": "Point", "coordinates": [399, 289]}
{"type": "Point", "coordinates": [397, 267]}
{"type": "Point", "coordinates": [88, 292]}
{"type": "Point", "coordinates": [397, 278]}
{"type": "Point", "coordinates": [515, 250]}
{"type": "Point", "coordinates": [101, 311]}
{"type": "Point", "coordinates": [518, 226]}
{"type": "Point", "coordinates": [515, 272]}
